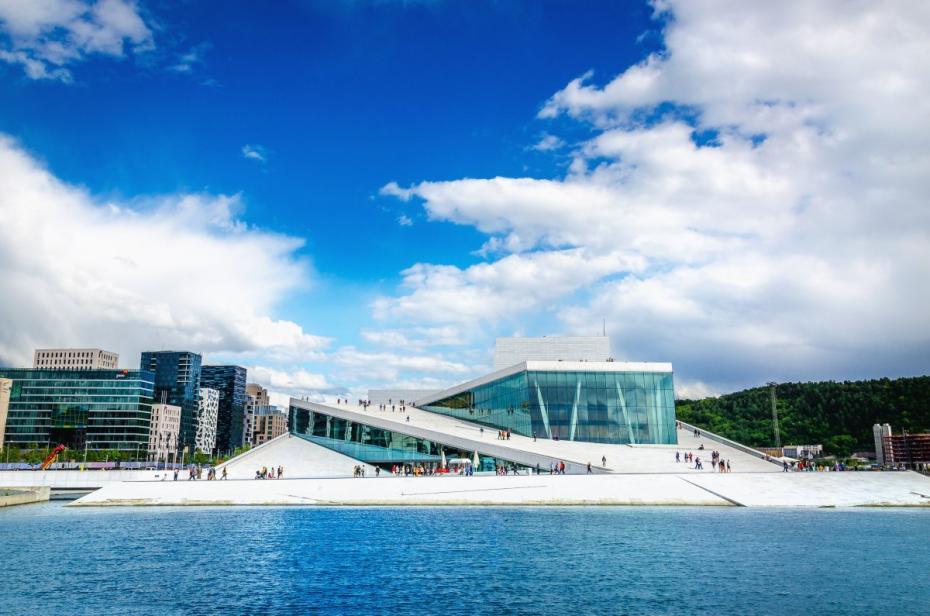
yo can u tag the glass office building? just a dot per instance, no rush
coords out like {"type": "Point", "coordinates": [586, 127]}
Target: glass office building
{"type": "Point", "coordinates": [96, 409]}
{"type": "Point", "coordinates": [374, 445]}
{"type": "Point", "coordinates": [601, 402]}
{"type": "Point", "coordinates": [177, 382]}
{"type": "Point", "coordinates": [229, 381]}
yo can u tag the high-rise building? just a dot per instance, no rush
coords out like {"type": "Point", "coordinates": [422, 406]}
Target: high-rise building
{"type": "Point", "coordinates": [75, 359]}
{"type": "Point", "coordinates": [256, 398]}
{"type": "Point", "coordinates": [229, 381]}
{"type": "Point", "coordinates": [93, 409]}
{"type": "Point", "coordinates": [163, 434]}
{"type": "Point", "coordinates": [177, 381]}
{"type": "Point", "coordinates": [6, 385]}
{"type": "Point", "coordinates": [205, 433]}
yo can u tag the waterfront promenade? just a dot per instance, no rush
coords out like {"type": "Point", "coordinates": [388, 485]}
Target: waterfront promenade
{"type": "Point", "coordinates": [850, 489]}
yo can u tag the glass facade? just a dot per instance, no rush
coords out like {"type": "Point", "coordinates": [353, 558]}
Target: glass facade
{"type": "Point", "coordinates": [229, 381]}
{"type": "Point", "coordinates": [595, 406]}
{"type": "Point", "coordinates": [376, 445]}
{"type": "Point", "coordinates": [96, 409]}
{"type": "Point", "coordinates": [177, 382]}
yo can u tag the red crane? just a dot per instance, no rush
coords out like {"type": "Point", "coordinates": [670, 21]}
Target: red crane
{"type": "Point", "coordinates": [51, 457]}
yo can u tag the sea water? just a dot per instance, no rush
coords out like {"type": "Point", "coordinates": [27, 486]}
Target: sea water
{"type": "Point", "coordinates": [456, 561]}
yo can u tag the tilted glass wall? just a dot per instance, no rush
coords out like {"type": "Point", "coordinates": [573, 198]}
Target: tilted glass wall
{"type": "Point", "coordinates": [600, 407]}
{"type": "Point", "coordinates": [375, 445]}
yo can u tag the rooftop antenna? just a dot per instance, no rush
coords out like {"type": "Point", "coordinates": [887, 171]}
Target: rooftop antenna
{"type": "Point", "coordinates": [604, 330]}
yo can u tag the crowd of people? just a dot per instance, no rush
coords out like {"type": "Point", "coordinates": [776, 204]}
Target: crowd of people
{"type": "Point", "coordinates": [400, 405]}
{"type": "Point", "coordinates": [270, 473]}
{"type": "Point", "coordinates": [718, 464]}
{"type": "Point", "coordinates": [195, 472]}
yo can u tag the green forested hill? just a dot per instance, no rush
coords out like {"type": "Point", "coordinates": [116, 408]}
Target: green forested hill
{"type": "Point", "coordinates": [838, 415]}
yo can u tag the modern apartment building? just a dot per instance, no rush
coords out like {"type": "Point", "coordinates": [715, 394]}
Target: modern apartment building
{"type": "Point", "coordinates": [177, 382]}
{"type": "Point", "coordinates": [229, 381]}
{"type": "Point", "coordinates": [256, 398]}
{"type": "Point", "coordinates": [75, 359]}
{"type": "Point", "coordinates": [256, 395]}
{"type": "Point", "coordinates": [93, 409]}
{"type": "Point", "coordinates": [268, 422]}
{"type": "Point", "coordinates": [163, 434]}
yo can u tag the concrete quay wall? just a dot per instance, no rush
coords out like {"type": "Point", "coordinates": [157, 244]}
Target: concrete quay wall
{"type": "Point", "coordinates": [74, 479]}
{"type": "Point", "coordinates": [23, 496]}
{"type": "Point", "coordinates": [746, 489]}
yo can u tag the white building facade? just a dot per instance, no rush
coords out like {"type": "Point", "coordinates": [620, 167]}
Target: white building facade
{"type": "Point", "coordinates": [208, 406]}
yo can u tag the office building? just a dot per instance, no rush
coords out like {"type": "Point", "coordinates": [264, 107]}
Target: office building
{"type": "Point", "coordinates": [163, 433]}
{"type": "Point", "coordinates": [75, 359]}
{"type": "Point", "coordinates": [230, 382]}
{"type": "Point", "coordinates": [6, 386]}
{"type": "Point", "coordinates": [92, 409]}
{"type": "Point", "coordinates": [177, 381]}
{"type": "Point", "coordinates": [205, 422]}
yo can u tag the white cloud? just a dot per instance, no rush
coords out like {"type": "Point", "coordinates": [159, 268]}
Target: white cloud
{"type": "Point", "coordinates": [414, 339]}
{"type": "Point", "coordinates": [46, 36]}
{"type": "Point", "coordinates": [296, 382]}
{"type": "Point", "coordinates": [404, 221]}
{"type": "Point", "coordinates": [548, 143]}
{"type": "Point", "coordinates": [489, 291]}
{"type": "Point", "coordinates": [189, 61]}
{"type": "Point", "coordinates": [388, 366]}
{"type": "Point", "coordinates": [254, 152]}
{"type": "Point", "coordinates": [793, 244]}
{"type": "Point", "coordinates": [174, 271]}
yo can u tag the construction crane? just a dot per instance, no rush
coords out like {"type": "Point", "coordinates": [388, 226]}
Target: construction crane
{"type": "Point", "coordinates": [51, 457]}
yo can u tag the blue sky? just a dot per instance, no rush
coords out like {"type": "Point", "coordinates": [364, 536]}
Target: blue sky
{"type": "Point", "coordinates": [369, 181]}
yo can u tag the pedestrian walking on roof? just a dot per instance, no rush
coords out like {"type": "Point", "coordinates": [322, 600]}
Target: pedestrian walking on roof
{"type": "Point", "coordinates": [589, 468]}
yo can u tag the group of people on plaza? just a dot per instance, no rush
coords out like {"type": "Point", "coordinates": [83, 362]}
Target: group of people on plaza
{"type": "Point", "coordinates": [717, 463]}
{"type": "Point", "coordinates": [267, 473]}
{"type": "Point", "coordinates": [428, 470]}
{"type": "Point", "coordinates": [195, 472]}
{"type": "Point", "coordinates": [381, 407]}
{"type": "Point", "coordinates": [503, 435]}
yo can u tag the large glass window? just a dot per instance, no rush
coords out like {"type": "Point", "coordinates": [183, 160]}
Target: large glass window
{"type": "Point", "coordinates": [377, 445]}
{"type": "Point", "coordinates": [594, 406]}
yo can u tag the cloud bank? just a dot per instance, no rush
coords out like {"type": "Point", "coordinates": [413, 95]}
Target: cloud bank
{"type": "Point", "coordinates": [44, 37]}
{"type": "Point", "coordinates": [176, 271]}
{"type": "Point", "coordinates": [752, 204]}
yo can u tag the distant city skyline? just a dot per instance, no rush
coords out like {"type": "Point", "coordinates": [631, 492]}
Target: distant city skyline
{"type": "Point", "coordinates": [343, 196]}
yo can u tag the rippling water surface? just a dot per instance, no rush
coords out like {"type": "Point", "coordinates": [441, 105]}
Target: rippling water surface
{"type": "Point", "coordinates": [271, 560]}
